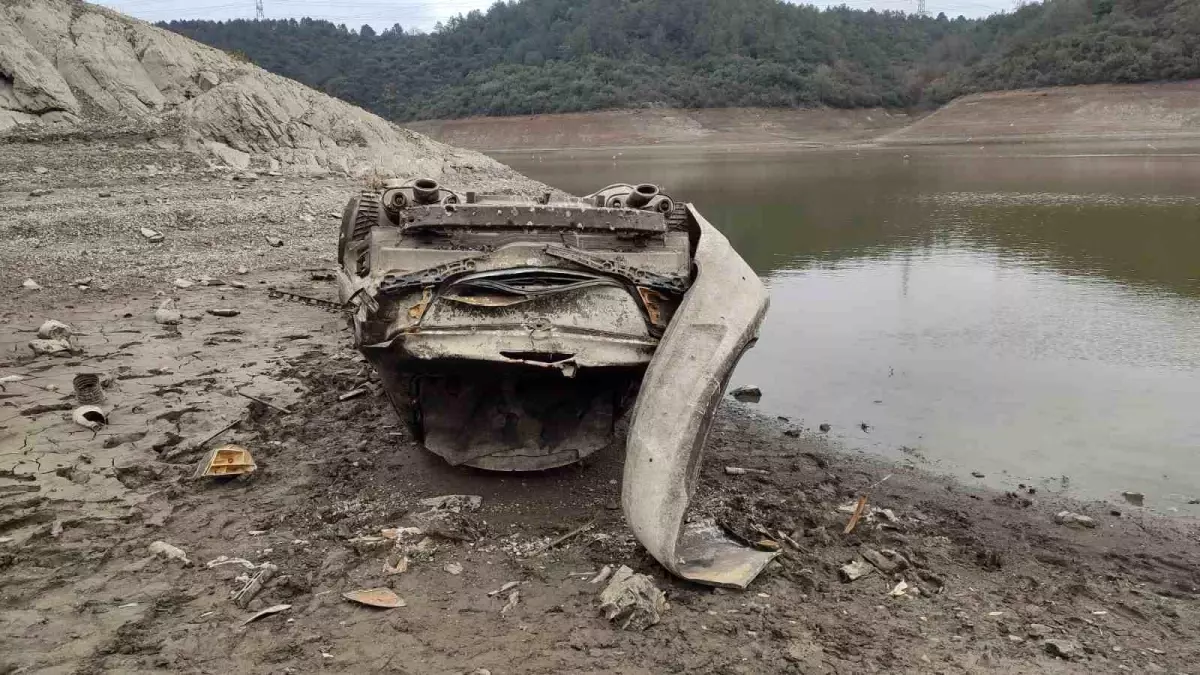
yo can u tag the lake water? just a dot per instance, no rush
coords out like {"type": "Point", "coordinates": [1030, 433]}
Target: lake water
{"type": "Point", "coordinates": [1027, 312]}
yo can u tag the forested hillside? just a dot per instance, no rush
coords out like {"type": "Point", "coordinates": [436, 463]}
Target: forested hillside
{"type": "Point", "coordinates": [539, 56]}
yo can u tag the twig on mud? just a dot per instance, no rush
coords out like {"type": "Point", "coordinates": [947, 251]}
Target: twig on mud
{"type": "Point", "coordinates": [858, 514]}
{"type": "Point", "coordinates": [223, 429]}
{"type": "Point", "coordinates": [573, 533]}
{"type": "Point", "coordinates": [285, 411]}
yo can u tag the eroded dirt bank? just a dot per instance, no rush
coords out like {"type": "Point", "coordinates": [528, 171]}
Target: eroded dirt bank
{"type": "Point", "coordinates": [1109, 113]}
{"type": "Point", "coordinates": [992, 583]}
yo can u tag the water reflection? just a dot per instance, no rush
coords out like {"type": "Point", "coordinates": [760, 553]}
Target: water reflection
{"type": "Point", "coordinates": [1036, 315]}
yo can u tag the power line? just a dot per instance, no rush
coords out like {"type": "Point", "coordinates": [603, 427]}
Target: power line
{"type": "Point", "coordinates": [260, 14]}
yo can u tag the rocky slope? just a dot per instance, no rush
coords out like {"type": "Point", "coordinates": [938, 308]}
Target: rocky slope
{"type": "Point", "coordinates": [72, 69]}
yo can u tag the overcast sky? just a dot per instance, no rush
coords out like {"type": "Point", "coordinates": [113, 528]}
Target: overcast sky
{"type": "Point", "coordinates": [424, 14]}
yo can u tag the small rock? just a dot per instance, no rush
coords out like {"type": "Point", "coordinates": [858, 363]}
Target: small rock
{"type": "Point", "coordinates": [183, 283]}
{"type": "Point", "coordinates": [104, 195]}
{"type": "Point", "coordinates": [1193, 501]}
{"type": "Point", "coordinates": [242, 270]}
{"type": "Point", "coordinates": [40, 193]}
{"type": "Point", "coordinates": [792, 433]}
{"type": "Point", "coordinates": [85, 281]}
{"type": "Point", "coordinates": [1038, 630]}
{"type": "Point", "coordinates": [41, 170]}
{"type": "Point", "coordinates": [453, 568]}
{"type": "Point", "coordinates": [54, 330]}
{"type": "Point", "coordinates": [167, 315]}
{"type": "Point", "coordinates": [31, 285]}
{"type": "Point", "coordinates": [1063, 649]}
{"type": "Point", "coordinates": [207, 80]}
{"type": "Point", "coordinates": [165, 550]}
{"type": "Point", "coordinates": [152, 236]}
{"type": "Point", "coordinates": [50, 347]}
{"type": "Point", "coordinates": [275, 242]}
{"type": "Point", "coordinates": [824, 428]}
{"type": "Point", "coordinates": [854, 570]}
{"type": "Point", "coordinates": [978, 474]}
{"type": "Point", "coordinates": [209, 281]}
{"type": "Point", "coordinates": [236, 284]}
{"type": "Point", "coordinates": [886, 562]}
{"type": "Point", "coordinates": [632, 601]}
{"type": "Point", "coordinates": [1074, 520]}
{"type": "Point", "coordinates": [747, 394]}
{"type": "Point", "coordinates": [1135, 498]}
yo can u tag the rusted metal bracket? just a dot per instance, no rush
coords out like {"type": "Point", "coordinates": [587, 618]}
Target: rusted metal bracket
{"type": "Point", "coordinates": [397, 283]}
{"type": "Point", "coordinates": [673, 283]}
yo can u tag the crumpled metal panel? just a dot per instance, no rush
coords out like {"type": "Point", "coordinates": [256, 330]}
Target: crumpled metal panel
{"type": "Point", "coordinates": [717, 321]}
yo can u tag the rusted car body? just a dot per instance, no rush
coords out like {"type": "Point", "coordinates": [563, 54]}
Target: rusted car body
{"type": "Point", "coordinates": [513, 334]}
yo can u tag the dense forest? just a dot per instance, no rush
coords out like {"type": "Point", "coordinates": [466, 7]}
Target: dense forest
{"type": "Point", "coordinates": [538, 56]}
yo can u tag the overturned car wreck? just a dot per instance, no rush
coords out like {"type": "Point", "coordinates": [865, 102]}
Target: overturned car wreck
{"type": "Point", "coordinates": [513, 334]}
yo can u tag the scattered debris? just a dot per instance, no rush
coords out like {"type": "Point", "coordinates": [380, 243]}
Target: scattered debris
{"type": "Point", "coordinates": [887, 561]}
{"type": "Point", "coordinates": [1135, 498]}
{"type": "Point", "coordinates": [87, 389]}
{"type": "Point", "coordinates": [1039, 631]}
{"type": "Point", "coordinates": [448, 525]}
{"type": "Point", "coordinates": [505, 588]}
{"type": "Point", "coordinates": [152, 236]}
{"type": "Point", "coordinates": [1063, 649]}
{"type": "Point", "coordinates": [603, 575]}
{"type": "Point", "coordinates": [453, 503]}
{"type": "Point", "coordinates": [353, 394]}
{"type": "Point", "coordinates": [747, 394]}
{"type": "Point", "coordinates": [167, 315]}
{"type": "Point", "coordinates": [54, 330]}
{"type": "Point", "coordinates": [50, 347]}
{"type": "Point", "coordinates": [89, 417]}
{"type": "Point", "coordinates": [558, 540]}
{"type": "Point", "coordinates": [739, 471]}
{"type": "Point", "coordinates": [165, 550]}
{"type": "Point", "coordinates": [855, 570]}
{"type": "Point", "coordinates": [254, 585]}
{"type": "Point", "coordinates": [285, 411]}
{"type": "Point", "coordinates": [513, 599]}
{"type": "Point", "coordinates": [632, 601]}
{"type": "Point", "coordinates": [1074, 520]}
{"type": "Point", "coordinates": [227, 313]}
{"type": "Point", "coordinates": [382, 598]}
{"type": "Point", "coordinates": [859, 509]}
{"type": "Point", "coordinates": [222, 560]}
{"type": "Point", "coordinates": [453, 568]}
{"type": "Point", "coordinates": [226, 461]}
{"type": "Point", "coordinates": [275, 242]}
{"type": "Point", "coordinates": [274, 609]}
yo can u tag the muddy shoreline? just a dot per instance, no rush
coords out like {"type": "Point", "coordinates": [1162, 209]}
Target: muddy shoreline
{"type": "Point", "coordinates": [991, 581]}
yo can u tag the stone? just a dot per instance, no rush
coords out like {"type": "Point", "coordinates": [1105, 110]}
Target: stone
{"type": "Point", "coordinates": [1135, 498]}
{"type": "Point", "coordinates": [167, 315]}
{"type": "Point", "coordinates": [1075, 520]}
{"type": "Point", "coordinates": [31, 285]}
{"type": "Point", "coordinates": [1039, 631]}
{"type": "Point", "coordinates": [183, 283]}
{"type": "Point", "coordinates": [152, 236]}
{"type": "Point", "coordinates": [207, 80]}
{"type": "Point", "coordinates": [747, 394]}
{"type": "Point", "coordinates": [40, 192]}
{"type": "Point", "coordinates": [855, 570]}
{"type": "Point", "coordinates": [41, 170]}
{"type": "Point", "coordinates": [54, 330]}
{"type": "Point", "coordinates": [886, 561]}
{"type": "Point", "coordinates": [227, 313]}
{"type": "Point", "coordinates": [275, 242]}
{"type": "Point", "coordinates": [632, 601]}
{"type": "Point", "coordinates": [50, 347]}
{"type": "Point", "coordinates": [1063, 649]}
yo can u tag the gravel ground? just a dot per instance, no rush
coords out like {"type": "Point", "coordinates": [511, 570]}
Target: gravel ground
{"type": "Point", "coordinates": [965, 580]}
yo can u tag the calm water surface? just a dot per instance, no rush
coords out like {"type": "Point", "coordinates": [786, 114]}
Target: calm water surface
{"type": "Point", "coordinates": [1026, 314]}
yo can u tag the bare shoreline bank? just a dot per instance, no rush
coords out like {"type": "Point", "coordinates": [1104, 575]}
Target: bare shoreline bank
{"type": "Point", "coordinates": [1085, 114]}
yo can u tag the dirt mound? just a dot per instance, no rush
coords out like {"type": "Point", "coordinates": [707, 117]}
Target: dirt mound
{"type": "Point", "coordinates": [1110, 112]}
{"type": "Point", "coordinates": [74, 69]}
